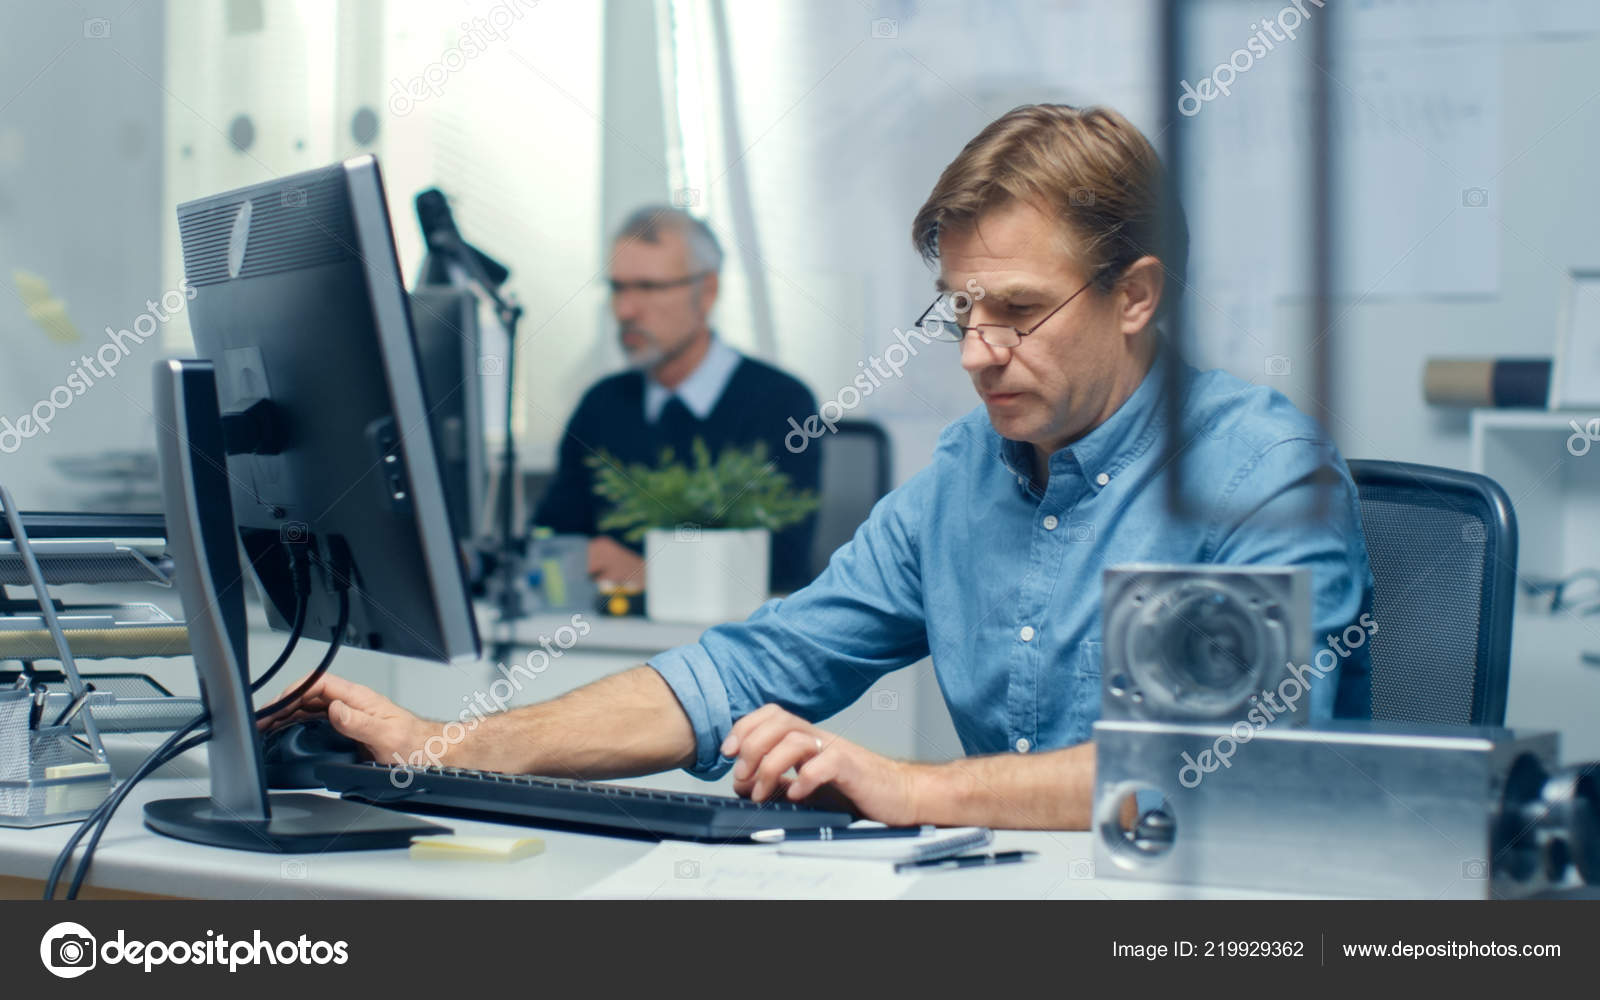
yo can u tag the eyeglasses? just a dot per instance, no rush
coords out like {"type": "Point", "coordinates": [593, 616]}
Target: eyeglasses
{"type": "Point", "coordinates": [619, 287]}
{"type": "Point", "coordinates": [948, 328]}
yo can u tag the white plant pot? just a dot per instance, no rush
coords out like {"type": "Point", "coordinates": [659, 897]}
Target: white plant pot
{"type": "Point", "coordinates": [705, 577]}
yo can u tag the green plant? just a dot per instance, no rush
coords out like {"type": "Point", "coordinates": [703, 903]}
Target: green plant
{"type": "Point", "coordinates": [740, 489]}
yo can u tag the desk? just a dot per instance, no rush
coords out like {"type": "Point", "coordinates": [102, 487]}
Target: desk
{"type": "Point", "coordinates": [131, 859]}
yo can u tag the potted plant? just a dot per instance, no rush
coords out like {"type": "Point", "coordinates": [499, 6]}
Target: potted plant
{"type": "Point", "coordinates": [707, 527]}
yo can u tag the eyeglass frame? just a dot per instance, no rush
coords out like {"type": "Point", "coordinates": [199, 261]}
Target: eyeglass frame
{"type": "Point", "coordinates": [979, 327]}
{"type": "Point", "coordinates": [647, 285]}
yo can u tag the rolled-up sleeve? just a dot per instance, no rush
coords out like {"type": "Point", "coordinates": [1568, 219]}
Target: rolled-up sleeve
{"type": "Point", "coordinates": [817, 650]}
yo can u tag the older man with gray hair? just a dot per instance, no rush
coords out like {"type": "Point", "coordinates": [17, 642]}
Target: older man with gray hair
{"type": "Point", "coordinates": [682, 383]}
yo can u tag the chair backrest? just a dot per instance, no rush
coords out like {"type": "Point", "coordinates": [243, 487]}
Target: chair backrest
{"type": "Point", "coordinates": [1443, 548]}
{"type": "Point", "coordinates": [855, 475]}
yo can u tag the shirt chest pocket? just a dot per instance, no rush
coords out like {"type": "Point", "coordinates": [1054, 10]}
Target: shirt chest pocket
{"type": "Point", "coordinates": [1073, 696]}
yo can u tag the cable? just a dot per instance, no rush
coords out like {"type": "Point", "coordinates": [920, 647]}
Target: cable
{"type": "Point", "coordinates": [100, 819]}
{"type": "Point", "coordinates": [155, 759]}
{"type": "Point", "coordinates": [300, 572]}
{"type": "Point", "coordinates": [322, 667]}
{"type": "Point", "coordinates": [150, 764]}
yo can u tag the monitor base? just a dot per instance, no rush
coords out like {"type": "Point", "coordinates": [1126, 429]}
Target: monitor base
{"type": "Point", "coordinates": [298, 822]}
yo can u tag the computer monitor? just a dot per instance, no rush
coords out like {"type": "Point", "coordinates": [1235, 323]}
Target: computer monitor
{"type": "Point", "coordinates": [304, 429]}
{"type": "Point", "coordinates": [445, 320]}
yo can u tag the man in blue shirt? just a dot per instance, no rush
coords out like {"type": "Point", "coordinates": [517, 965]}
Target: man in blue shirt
{"type": "Point", "coordinates": [1048, 230]}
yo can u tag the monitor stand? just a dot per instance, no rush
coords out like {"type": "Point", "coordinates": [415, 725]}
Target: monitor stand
{"type": "Point", "coordinates": [202, 539]}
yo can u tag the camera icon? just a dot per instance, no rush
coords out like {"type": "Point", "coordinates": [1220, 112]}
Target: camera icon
{"type": "Point", "coordinates": [294, 198]}
{"type": "Point", "coordinates": [491, 364]}
{"type": "Point", "coordinates": [686, 197]}
{"type": "Point", "coordinates": [294, 532]}
{"type": "Point", "coordinates": [686, 869]}
{"type": "Point", "coordinates": [97, 27]}
{"type": "Point", "coordinates": [1081, 868]}
{"type": "Point", "coordinates": [686, 533]}
{"type": "Point", "coordinates": [885, 27]}
{"type": "Point", "coordinates": [295, 869]}
{"type": "Point", "coordinates": [1474, 197]}
{"type": "Point", "coordinates": [1081, 196]}
{"type": "Point", "coordinates": [1080, 531]}
{"type": "Point", "coordinates": [1475, 868]}
{"type": "Point", "coordinates": [1472, 532]}
{"type": "Point", "coordinates": [1279, 364]}
{"type": "Point", "coordinates": [885, 701]}
{"type": "Point", "coordinates": [68, 950]}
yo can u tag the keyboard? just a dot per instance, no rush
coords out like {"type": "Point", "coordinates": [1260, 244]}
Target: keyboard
{"type": "Point", "coordinates": [525, 799]}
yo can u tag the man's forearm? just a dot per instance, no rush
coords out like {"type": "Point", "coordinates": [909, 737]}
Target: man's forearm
{"type": "Point", "coordinates": [1048, 791]}
{"type": "Point", "coordinates": [619, 726]}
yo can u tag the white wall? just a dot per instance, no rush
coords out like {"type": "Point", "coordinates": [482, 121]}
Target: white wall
{"type": "Point", "coordinates": [1547, 207]}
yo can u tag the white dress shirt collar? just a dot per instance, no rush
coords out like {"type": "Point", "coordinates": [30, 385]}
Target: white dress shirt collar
{"type": "Point", "coordinates": [701, 390]}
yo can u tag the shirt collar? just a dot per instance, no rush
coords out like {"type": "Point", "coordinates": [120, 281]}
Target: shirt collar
{"type": "Point", "coordinates": [1111, 447]}
{"type": "Point", "coordinates": [701, 390]}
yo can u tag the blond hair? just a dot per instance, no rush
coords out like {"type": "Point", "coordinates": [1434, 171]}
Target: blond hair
{"type": "Point", "coordinates": [1089, 167]}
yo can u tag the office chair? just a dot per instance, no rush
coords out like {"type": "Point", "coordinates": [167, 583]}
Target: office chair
{"type": "Point", "coordinates": [1443, 548]}
{"type": "Point", "coordinates": [855, 475]}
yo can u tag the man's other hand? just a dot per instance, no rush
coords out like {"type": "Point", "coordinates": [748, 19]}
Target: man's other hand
{"type": "Point", "coordinates": [770, 741]}
{"type": "Point", "coordinates": [612, 562]}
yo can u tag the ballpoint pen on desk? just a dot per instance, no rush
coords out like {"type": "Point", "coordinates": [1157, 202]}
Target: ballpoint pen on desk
{"type": "Point", "coordinates": [840, 833]}
{"type": "Point", "coordinates": [966, 861]}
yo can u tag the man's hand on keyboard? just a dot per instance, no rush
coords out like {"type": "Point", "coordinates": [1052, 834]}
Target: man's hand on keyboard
{"type": "Point", "coordinates": [770, 741]}
{"type": "Point", "coordinates": [391, 734]}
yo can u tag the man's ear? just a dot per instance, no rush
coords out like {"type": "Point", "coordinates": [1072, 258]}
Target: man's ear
{"type": "Point", "coordinates": [1139, 294]}
{"type": "Point", "coordinates": [708, 292]}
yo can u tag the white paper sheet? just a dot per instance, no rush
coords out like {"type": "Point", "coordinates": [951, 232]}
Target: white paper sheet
{"type": "Point", "coordinates": [684, 870]}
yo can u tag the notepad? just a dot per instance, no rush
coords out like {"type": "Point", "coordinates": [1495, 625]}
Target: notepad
{"type": "Point", "coordinates": [939, 844]}
{"type": "Point", "coordinates": [475, 848]}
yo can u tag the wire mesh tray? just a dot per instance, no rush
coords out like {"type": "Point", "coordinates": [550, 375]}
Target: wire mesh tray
{"type": "Point", "coordinates": [44, 777]}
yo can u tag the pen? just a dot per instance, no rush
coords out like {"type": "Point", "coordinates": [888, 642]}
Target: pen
{"type": "Point", "coordinates": [840, 833]}
{"type": "Point", "coordinates": [73, 708]}
{"type": "Point", "coordinates": [36, 713]}
{"type": "Point", "coordinates": [966, 861]}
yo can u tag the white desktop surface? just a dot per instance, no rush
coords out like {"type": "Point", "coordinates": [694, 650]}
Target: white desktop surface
{"type": "Point", "coordinates": [133, 859]}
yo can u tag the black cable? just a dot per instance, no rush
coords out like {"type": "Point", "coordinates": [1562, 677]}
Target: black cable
{"type": "Point", "coordinates": [100, 819]}
{"type": "Point", "coordinates": [151, 763]}
{"type": "Point", "coordinates": [102, 810]}
{"type": "Point", "coordinates": [300, 573]}
{"type": "Point", "coordinates": [322, 667]}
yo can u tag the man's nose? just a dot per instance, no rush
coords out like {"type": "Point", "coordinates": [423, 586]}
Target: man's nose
{"type": "Point", "coordinates": [978, 354]}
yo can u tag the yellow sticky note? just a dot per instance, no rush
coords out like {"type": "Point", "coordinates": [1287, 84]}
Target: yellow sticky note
{"type": "Point", "coordinates": [47, 311]}
{"type": "Point", "coordinates": [475, 848]}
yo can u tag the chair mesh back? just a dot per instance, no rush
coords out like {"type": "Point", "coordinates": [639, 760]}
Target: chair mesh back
{"type": "Point", "coordinates": [1428, 553]}
{"type": "Point", "coordinates": [851, 460]}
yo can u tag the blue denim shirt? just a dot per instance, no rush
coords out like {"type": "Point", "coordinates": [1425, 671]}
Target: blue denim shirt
{"type": "Point", "coordinates": [1001, 582]}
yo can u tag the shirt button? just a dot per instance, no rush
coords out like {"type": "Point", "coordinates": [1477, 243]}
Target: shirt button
{"type": "Point", "coordinates": [1023, 745]}
{"type": "Point", "coordinates": [1050, 522]}
{"type": "Point", "coordinates": [1102, 479]}
{"type": "Point", "coordinates": [1026, 633]}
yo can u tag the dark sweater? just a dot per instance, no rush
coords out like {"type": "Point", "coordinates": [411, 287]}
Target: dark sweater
{"type": "Point", "coordinates": [756, 405]}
